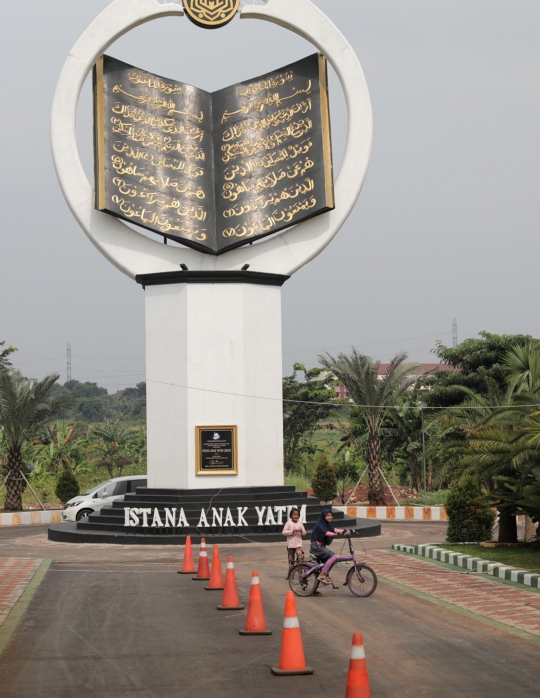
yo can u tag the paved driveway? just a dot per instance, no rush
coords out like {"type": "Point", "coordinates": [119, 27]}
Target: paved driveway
{"type": "Point", "coordinates": [132, 627]}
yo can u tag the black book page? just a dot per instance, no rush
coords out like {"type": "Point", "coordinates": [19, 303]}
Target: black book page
{"type": "Point", "coordinates": [272, 152]}
{"type": "Point", "coordinates": [154, 159]}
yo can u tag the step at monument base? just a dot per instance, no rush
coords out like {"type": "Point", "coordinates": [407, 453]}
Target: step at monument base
{"type": "Point", "coordinates": [227, 515]}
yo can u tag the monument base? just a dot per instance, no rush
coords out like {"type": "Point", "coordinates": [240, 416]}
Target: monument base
{"type": "Point", "coordinates": [227, 515]}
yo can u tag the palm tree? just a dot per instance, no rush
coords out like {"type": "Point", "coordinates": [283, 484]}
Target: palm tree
{"type": "Point", "coordinates": [113, 443]}
{"type": "Point", "coordinates": [492, 436]}
{"type": "Point", "coordinates": [373, 394]}
{"type": "Point", "coordinates": [5, 363]}
{"type": "Point", "coordinates": [503, 449]}
{"type": "Point", "coordinates": [523, 369]}
{"type": "Point", "coordinates": [407, 436]}
{"type": "Point", "coordinates": [25, 405]}
{"type": "Point", "coordinates": [450, 429]}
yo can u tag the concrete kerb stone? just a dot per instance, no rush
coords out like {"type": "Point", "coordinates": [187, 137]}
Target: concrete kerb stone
{"type": "Point", "coordinates": [396, 513]}
{"type": "Point", "coordinates": [471, 563]}
{"type": "Point", "coordinates": [401, 513]}
{"type": "Point", "coordinates": [31, 517]}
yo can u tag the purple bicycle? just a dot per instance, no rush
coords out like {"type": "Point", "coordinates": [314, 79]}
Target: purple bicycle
{"type": "Point", "coordinates": [361, 579]}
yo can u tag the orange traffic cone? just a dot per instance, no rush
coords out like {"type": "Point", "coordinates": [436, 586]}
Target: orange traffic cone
{"type": "Point", "coordinates": [230, 600]}
{"type": "Point", "coordinates": [292, 660]}
{"type": "Point", "coordinates": [216, 578]}
{"type": "Point", "coordinates": [187, 567]}
{"type": "Point", "coordinates": [203, 571]}
{"type": "Point", "coordinates": [255, 621]}
{"type": "Point", "coordinates": [358, 679]}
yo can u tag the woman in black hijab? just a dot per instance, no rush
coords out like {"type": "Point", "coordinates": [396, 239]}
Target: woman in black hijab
{"type": "Point", "coordinates": [322, 536]}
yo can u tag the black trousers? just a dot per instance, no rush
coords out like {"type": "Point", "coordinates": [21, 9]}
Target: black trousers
{"type": "Point", "coordinates": [321, 552]}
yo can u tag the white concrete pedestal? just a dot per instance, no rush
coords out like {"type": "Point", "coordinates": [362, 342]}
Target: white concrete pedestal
{"type": "Point", "coordinates": [213, 351]}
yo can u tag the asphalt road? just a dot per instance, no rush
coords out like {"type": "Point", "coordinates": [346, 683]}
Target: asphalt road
{"type": "Point", "coordinates": [31, 541]}
{"type": "Point", "coordinates": [122, 627]}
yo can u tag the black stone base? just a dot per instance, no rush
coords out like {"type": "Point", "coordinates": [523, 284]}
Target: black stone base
{"type": "Point", "coordinates": [108, 525]}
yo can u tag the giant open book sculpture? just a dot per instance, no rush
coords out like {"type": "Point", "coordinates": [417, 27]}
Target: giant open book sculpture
{"type": "Point", "coordinates": [213, 171]}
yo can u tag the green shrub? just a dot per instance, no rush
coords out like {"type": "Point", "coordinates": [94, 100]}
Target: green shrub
{"type": "Point", "coordinates": [324, 481]}
{"type": "Point", "coordinates": [67, 486]}
{"type": "Point", "coordinates": [346, 471]}
{"type": "Point", "coordinates": [470, 516]}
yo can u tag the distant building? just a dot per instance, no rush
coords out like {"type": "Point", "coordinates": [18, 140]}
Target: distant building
{"type": "Point", "coordinates": [342, 392]}
{"type": "Point", "coordinates": [118, 395]}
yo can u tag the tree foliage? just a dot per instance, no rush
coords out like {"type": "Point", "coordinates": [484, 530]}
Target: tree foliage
{"type": "Point", "coordinates": [112, 445]}
{"type": "Point", "coordinates": [5, 363]}
{"type": "Point", "coordinates": [62, 446]}
{"type": "Point", "coordinates": [92, 403]}
{"type": "Point", "coordinates": [522, 368]}
{"type": "Point", "coordinates": [306, 409]}
{"type": "Point", "coordinates": [477, 360]}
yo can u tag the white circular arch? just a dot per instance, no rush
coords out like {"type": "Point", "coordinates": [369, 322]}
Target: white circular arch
{"type": "Point", "coordinates": [284, 253]}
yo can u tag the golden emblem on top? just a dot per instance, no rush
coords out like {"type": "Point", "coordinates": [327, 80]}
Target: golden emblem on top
{"type": "Point", "coordinates": [211, 14]}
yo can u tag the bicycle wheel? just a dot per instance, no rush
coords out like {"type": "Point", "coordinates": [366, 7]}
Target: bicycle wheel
{"type": "Point", "coordinates": [361, 580]}
{"type": "Point", "coordinates": [306, 586]}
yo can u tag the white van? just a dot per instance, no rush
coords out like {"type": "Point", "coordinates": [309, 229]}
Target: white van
{"type": "Point", "coordinates": [101, 495]}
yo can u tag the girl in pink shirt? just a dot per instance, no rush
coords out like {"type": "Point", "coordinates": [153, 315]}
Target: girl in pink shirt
{"type": "Point", "coordinates": [294, 530]}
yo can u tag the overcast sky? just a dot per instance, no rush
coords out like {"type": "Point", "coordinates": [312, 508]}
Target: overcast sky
{"type": "Point", "coordinates": [446, 226]}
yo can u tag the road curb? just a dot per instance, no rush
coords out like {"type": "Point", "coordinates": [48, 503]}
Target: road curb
{"type": "Point", "coordinates": [404, 513]}
{"type": "Point", "coordinates": [473, 564]}
{"type": "Point", "coordinates": [31, 518]}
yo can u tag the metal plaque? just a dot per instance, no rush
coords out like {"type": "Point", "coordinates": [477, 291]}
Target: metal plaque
{"type": "Point", "coordinates": [217, 450]}
{"type": "Point", "coordinates": [213, 171]}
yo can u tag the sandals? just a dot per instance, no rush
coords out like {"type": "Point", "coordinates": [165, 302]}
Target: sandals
{"type": "Point", "coordinates": [324, 579]}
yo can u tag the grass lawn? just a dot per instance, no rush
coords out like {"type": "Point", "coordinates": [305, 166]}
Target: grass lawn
{"type": "Point", "coordinates": [434, 499]}
{"type": "Point", "coordinates": [301, 482]}
{"type": "Point", "coordinates": [524, 558]}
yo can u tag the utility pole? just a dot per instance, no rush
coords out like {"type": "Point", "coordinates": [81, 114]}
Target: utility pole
{"type": "Point", "coordinates": [69, 361]}
{"type": "Point", "coordinates": [454, 332]}
{"type": "Point", "coordinates": [422, 405]}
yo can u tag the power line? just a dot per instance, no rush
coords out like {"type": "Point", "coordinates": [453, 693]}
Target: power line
{"type": "Point", "coordinates": [280, 399]}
